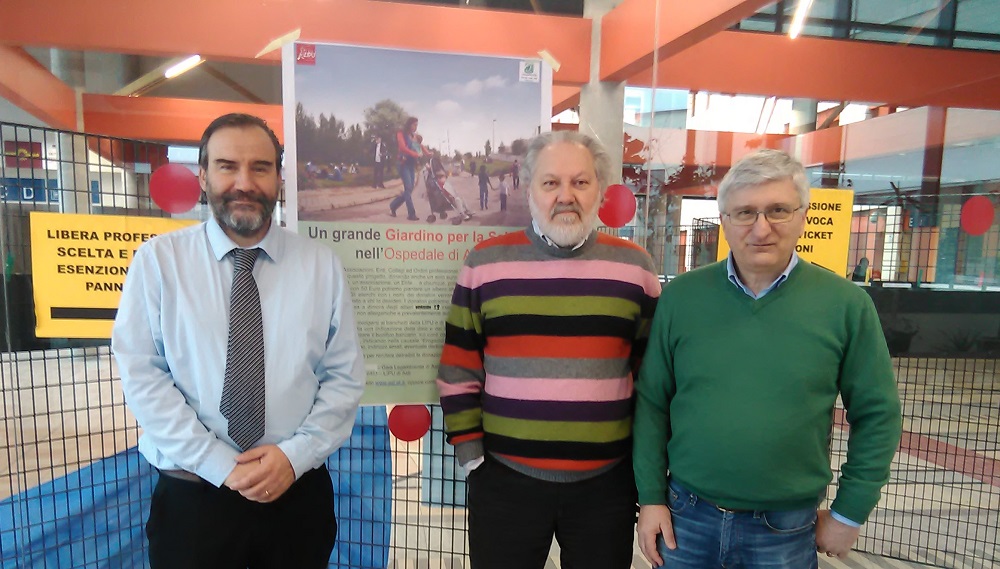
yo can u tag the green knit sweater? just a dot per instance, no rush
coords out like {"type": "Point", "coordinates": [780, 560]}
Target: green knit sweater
{"type": "Point", "coordinates": [737, 395]}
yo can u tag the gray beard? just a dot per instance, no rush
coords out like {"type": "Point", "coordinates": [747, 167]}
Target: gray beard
{"type": "Point", "coordinates": [244, 223]}
{"type": "Point", "coordinates": [562, 234]}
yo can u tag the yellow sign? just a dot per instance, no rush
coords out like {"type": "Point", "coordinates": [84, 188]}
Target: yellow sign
{"type": "Point", "coordinates": [78, 266]}
{"type": "Point", "coordinates": [827, 235]}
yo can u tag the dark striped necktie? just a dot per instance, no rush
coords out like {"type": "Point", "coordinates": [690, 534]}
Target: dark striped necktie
{"type": "Point", "coordinates": [243, 391]}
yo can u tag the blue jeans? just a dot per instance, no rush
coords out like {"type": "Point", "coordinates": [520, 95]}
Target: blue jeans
{"type": "Point", "coordinates": [407, 173]}
{"type": "Point", "coordinates": [708, 537]}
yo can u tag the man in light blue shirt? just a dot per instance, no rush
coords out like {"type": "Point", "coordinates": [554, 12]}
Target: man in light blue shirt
{"type": "Point", "coordinates": [215, 504]}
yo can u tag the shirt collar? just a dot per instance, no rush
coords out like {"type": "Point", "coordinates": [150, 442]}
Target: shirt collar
{"type": "Point", "coordinates": [551, 243]}
{"type": "Point", "coordinates": [273, 243]}
{"type": "Point", "coordinates": [735, 279]}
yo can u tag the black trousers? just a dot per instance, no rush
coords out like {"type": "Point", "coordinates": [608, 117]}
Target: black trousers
{"type": "Point", "coordinates": [513, 518]}
{"type": "Point", "coordinates": [198, 526]}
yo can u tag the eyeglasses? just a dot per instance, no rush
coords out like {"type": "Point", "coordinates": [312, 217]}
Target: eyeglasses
{"type": "Point", "coordinates": [774, 214]}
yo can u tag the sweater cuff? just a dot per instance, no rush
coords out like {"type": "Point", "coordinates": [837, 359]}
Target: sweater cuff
{"type": "Point", "coordinates": [652, 497]}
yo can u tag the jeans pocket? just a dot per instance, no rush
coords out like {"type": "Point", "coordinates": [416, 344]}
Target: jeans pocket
{"type": "Point", "coordinates": [789, 521]}
{"type": "Point", "coordinates": [677, 499]}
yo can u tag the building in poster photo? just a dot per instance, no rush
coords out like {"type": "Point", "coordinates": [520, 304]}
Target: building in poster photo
{"type": "Point", "coordinates": [401, 161]}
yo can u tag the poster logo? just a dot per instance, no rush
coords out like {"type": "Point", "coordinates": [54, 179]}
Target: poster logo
{"type": "Point", "coordinates": [22, 154]}
{"type": "Point", "coordinates": [305, 54]}
{"type": "Point", "coordinates": [529, 72]}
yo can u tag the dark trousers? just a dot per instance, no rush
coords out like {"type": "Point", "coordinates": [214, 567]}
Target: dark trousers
{"type": "Point", "coordinates": [503, 202]}
{"type": "Point", "coordinates": [513, 518]}
{"type": "Point", "coordinates": [194, 525]}
{"type": "Point", "coordinates": [378, 172]}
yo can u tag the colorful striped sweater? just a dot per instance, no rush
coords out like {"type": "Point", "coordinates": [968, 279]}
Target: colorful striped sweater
{"type": "Point", "coordinates": [541, 349]}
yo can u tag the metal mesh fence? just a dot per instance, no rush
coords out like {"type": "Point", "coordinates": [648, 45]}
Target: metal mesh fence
{"type": "Point", "coordinates": [942, 503]}
{"type": "Point", "coordinates": [74, 492]}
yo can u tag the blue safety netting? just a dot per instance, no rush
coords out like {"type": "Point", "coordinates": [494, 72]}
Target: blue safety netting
{"type": "Point", "coordinates": [94, 517]}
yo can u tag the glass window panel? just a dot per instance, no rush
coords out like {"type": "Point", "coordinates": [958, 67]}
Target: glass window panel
{"type": "Point", "coordinates": [825, 9]}
{"type": "Point", "coordinates": [898, 13]}
{"type": "Point", "coordinates": [978, 16]}
{"type": "Point", "coordinates": [983, 44]}
{"type": "Point", "coordinates": [817, 30]}
{"type": "Point", "coordinates": [757, 26]}
{"type": "Point", "coordinates": [892, 36]}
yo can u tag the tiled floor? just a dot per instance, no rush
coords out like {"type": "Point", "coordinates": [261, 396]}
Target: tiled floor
{"type": "Point", "coordinates": [434, 537]}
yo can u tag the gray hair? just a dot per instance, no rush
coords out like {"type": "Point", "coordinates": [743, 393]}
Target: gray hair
{"type": "Point", "coordinates": [762, 167]}
{"type": "Point", "coordinates": [602, 160]}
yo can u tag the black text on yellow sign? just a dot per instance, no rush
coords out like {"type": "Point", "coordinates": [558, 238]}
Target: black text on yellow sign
{"type": "Point", "coordinates": [827, 235]}
{"type": "Point", "coordinates": [78, 265]}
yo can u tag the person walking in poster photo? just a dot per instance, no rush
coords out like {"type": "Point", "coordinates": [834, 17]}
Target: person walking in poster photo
{"type": "Point", "coordinates": [380, 155]}
{"type": "Point", "coordinates": [410, 151]}
{"type": "Point", "coordinates": [542, 342]}
{"type": "Point", "coordinates": [484, 188]}
{"type": "Point", "coordinates": [746, 360]}
{"type": "Point", "coordinates": [504, 191]}
{"type": "Point", "coordinates": [243, 375]}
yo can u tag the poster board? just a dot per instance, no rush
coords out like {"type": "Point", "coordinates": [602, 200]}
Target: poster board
{"type": "Point", "coordinates": [341, 101]}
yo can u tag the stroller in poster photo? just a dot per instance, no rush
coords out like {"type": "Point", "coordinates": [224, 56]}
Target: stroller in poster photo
{"type": "Point", "coordinates": [441, 196]}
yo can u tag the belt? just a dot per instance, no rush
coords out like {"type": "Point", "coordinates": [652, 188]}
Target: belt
{"type": "Point", "coordinates": [184, 475]}
{"type": "Point", "coordinates": [682, 488]}
{"type": "Point", "coordinates": [727, 510]}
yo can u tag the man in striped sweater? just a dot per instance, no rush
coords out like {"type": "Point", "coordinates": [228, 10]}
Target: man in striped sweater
{"type": "Point", "coordinates": [545, 334]}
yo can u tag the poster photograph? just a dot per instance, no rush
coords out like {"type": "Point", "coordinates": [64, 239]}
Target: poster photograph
{"type": "Point", "coordinates": [401, 161]}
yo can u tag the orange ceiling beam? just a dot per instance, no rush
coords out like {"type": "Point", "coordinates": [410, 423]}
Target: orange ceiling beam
{"type": "Point", "coordinates": [163, 119]}
{"type": "Point", "coordinates": [628, 32]}
{"type": "Point", "coordinates": [833, 70]}
{"type": "Point", "coordinates": [25, 83]}
{"type": "Point", "coordinates": [564, 97]}
{"type": "Point", "coordinates": [238, 30]}
{"type": "Point", "coordinates": [183, 120]}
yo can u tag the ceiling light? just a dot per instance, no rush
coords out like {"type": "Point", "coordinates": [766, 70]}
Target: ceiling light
{"type": "Point", "coordinates": [185, 65]}
{"type": "Point", "coordinates": [799, 18]}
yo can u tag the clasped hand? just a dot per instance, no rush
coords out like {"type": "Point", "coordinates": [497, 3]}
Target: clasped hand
{"type": "Point", "coordinates": [262, 474]}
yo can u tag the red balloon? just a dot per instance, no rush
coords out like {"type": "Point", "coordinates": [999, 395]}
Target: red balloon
{"type": "Point", "coordinates": [977, 215]}
{"type": "Point", "coordinates": [618, 207]}
{"type": "Point", "coordinates": [409, 422]}
{"type": "Point", "coordinates": [174, 188]}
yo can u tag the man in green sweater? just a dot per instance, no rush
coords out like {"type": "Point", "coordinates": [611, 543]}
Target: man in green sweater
{"type": "Point", "coordinates": [745, 361]}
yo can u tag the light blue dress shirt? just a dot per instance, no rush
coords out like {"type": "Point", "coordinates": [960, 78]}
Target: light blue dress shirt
{"type": "Point", "coordinates": [170, 338]}
{"type": "Point", "coordinates": [735, 279]}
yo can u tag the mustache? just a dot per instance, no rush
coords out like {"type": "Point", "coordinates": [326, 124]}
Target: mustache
{"type": "Point", "coordinates": [566, 208]}
{"type": "Point", "coordinates": [241, 195]}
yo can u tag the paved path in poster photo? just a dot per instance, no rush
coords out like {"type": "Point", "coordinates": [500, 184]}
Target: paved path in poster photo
{"type": "Point", "coordinates": [367, 204]}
